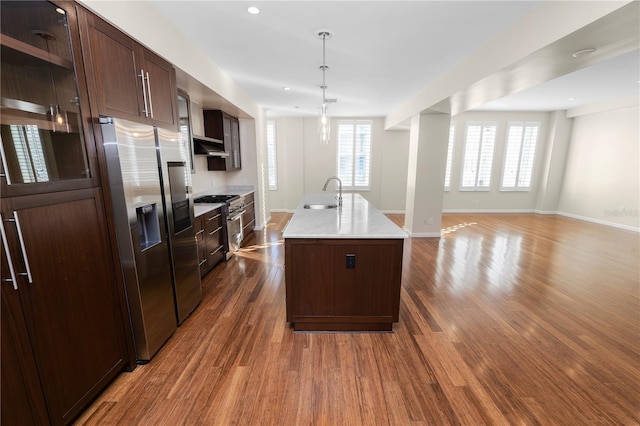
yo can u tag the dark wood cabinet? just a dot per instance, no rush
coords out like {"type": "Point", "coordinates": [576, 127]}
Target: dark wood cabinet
{"type": "Point", "coordinates": [202, 245]}
{"type": "Point", "coordinates": [220, 125]}
{"type": "Point", "coordinates": [129, 81]}
{"type": "Point", "coordinates": [325, 292]}
{"type": "Point", "coordinates": [46, 135]}
{"type": "Point", "coordinates": [23, 402]}
{"type": "Point", "coordinates": [248, 218]}
{"type": "Point", "coordinates": [72, 337]}
{"type": "Point", "coordinates": [65, 332]}
{"type": "Point", "coordinates": [210, 234]}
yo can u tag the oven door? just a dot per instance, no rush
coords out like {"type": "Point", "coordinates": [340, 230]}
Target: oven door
{"type": "Point", "coordinates": [234, 231]}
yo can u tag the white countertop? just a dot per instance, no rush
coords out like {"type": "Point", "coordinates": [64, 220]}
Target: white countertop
{"type": "Point", "coordinates": [356, 219]}
{"type": "Point", "coordinates": [200, 209]}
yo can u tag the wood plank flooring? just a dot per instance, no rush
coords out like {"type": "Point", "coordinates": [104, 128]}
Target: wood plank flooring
{"type": "Point", "coordinates": [507, 319]}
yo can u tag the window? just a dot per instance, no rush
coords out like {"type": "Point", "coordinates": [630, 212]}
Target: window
{"type": "Point", "coordinates": [271, 155]}
{"type": "Point", "coordinates": [30, 154]}
{"type": "Point", "coordinates": [447, 173]}
{"type": "Point", "coordinates": [518, 160]}
{"type": "Point", "coordinates": [478, 156]}
{"type": "Point", "coordinates": [354, 153]}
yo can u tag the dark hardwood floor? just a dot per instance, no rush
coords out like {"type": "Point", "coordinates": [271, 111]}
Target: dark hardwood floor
{"type": "Point", "coordinates": [507, 319]}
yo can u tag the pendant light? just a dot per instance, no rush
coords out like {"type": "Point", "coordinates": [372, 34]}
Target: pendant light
{"type": "Point", "coordinates": [324, 122]}
{"type": "Point", "coordinates": [57, 115]}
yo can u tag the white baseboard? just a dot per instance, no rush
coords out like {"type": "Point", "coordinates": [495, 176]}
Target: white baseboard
{"type": "Point", "coordinates": [544, 212]}
{"type": "Point", "coordinates": [282, 211]}
{"type": "Point", "coordinates": [599, 222]}
{"type": "Point", "coordinates": [488, 211]}
{"type": "Point", "coordinates": [424, 234]}
{"type": "Point", "coordinates": [392, 211]}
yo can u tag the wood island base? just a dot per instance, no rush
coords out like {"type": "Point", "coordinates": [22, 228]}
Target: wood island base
{"type": "Point", "coordinates": [343, 284]}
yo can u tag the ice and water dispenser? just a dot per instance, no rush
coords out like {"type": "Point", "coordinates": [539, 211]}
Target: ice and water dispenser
{"type": "Point", "coordinates": [148, 226]}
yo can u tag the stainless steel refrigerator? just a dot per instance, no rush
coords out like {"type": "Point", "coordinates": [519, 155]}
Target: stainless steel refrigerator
{"type": "Point", "coordinates": [175, 167]}
{"type": "Point", "coordinates": [154, 227]}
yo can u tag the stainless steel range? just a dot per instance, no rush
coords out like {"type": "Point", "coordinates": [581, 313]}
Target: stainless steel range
{"type": "Point", "coordinates": [232, 212]}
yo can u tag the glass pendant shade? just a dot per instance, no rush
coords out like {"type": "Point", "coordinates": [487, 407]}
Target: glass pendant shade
{"type": "Point", "coordinates": [324, 125]}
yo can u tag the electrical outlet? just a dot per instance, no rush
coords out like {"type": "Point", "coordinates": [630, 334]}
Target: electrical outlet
{"type": "Point", "coordinates": [430, 221]}
{"type": "Point", "coordinates": [351, 261]}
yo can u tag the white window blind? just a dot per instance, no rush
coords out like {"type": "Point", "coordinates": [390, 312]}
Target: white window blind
{"type": "Point", "coordinates": [518, 162]}
{"type": "Point", "coordinates": [272, 163]}
{"type": "Point", "coordinates": [478, 156]}
{"type": "Point", "coordinates": [28, 146]}
{"type": "Point", "coordinates": [447, 173]}
{"type": "Point", "coordinates": [354, 153]}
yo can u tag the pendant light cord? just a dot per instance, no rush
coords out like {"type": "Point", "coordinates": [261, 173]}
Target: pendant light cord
{"type": "Point", "coordinates": [324, 69]}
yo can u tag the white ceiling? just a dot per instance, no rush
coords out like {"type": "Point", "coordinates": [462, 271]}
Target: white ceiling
{"type": "Point", "coordinates": [381, 52]}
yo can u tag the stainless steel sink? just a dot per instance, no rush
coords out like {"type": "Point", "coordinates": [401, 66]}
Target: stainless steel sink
{"type": "Point", "coordinates": [320, 206]}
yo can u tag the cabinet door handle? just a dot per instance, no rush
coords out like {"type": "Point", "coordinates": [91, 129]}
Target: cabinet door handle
{"type": "Point", "coordinates": [149, 94]}
{"type": "Point", "coordinates": [144, 94]}
{"type": "Point", "coordinates": [5, 246]}
{"type": "Point", "coordinates": [4, 163]}
{"type": "Point", "coordinates": [200, 232]}
{"type": "Point", "coordinates": [22, 247]}
{"type": "Point", "coordinates": [213, 232]}
{"type": "Point", "coordinates": [213, 217]}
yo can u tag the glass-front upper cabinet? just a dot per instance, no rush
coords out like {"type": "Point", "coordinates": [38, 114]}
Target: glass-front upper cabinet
{"type": "Point", "coordinates": [41, 121]}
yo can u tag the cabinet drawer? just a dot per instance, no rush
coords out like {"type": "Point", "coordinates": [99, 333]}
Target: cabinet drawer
{"type": "Point", "coordinates": [248, 228]}
{"type": "Point", "coordinates": [212, 221]}
{"type": "Point", "coordinates": [199, 227]}
{"type": "Point", "coordinates": [215, 256]}
{"type": "Point", "coordinates": [204, 268]}
{"type": "Point", "coordinates": [214, 248]}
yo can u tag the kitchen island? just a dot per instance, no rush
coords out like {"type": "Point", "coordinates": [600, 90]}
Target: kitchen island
{"type": "Point", "coordinates": [343, 266]}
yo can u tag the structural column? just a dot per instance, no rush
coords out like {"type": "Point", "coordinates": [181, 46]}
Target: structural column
{"type": "Point", "coordinates": [558, 140]}
{"type": "Point", "coordinates": [428, 142]}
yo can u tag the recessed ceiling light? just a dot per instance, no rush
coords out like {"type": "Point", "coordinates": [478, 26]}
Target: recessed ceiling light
{"type": "Point", "coordinates": [583, 52]}
{"type": "Point", "coordinates": [253, 10]}
{"type": "Point", "coordinates": [286, 88]}
{"type": "Point", "coordinates": [571, 99]}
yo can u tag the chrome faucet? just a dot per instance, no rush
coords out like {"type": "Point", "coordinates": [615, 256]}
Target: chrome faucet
{"type": "Point", "coordinates": [340, 188]}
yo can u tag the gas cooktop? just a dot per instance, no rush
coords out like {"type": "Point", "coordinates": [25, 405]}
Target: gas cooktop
{"type": "Point", "coordinates": [212, 199]}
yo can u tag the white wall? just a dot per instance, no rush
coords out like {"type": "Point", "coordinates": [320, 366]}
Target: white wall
{"type": "Point", "coordinates": [494, 200]}
{"type": "Point", "coordinates": [394, 153]}
{"type": "Point", "coordinates": [304, 164]}
{"type": "Point", "coordinates": [602, 177]}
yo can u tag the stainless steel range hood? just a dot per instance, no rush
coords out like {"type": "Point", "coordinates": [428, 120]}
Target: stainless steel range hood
{"type": "Point", "coordinates": [203, 145]}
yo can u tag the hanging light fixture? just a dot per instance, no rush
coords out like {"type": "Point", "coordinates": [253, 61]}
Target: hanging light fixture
{"type": "Point", "coordinates": [324, 122]}
{"type": "Point", "coordinates": [57, 115]}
